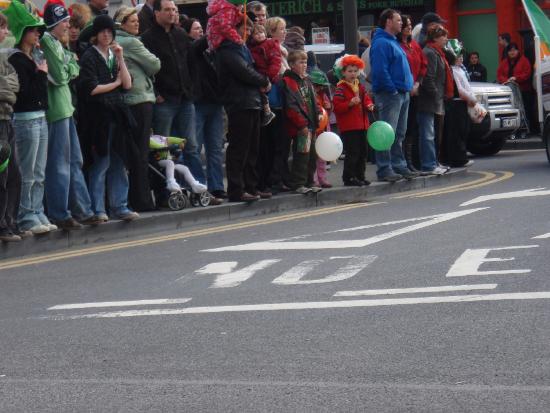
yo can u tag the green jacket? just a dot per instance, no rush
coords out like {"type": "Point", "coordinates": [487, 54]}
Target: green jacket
{"type": "Point", "coordinates": [142, 65]}
{"type": "Point", "coordinates": [9, 86]}
{"type": "Point", "coordinates": [62, 68]}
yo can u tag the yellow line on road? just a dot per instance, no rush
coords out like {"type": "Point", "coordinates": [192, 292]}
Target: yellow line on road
{"type": "Point", "coordinates": [487, 179]}
{"type": "Point", "coordinates": [4, 265]}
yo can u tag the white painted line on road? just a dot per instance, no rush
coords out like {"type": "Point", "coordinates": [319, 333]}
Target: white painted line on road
{"type": "Point", "coordinates": [392, 291]}
{"type": "Point", "coordinates": [162, 301]}
{"type": "Point", "coordinates": [543, 236]}
{"type": "Point", "coordinates": [508, 195]}
{"type": "Point", "coordinates": [344, 244]}
{"type": "Point", "coordinates": [315, 305]}
{"type": "Point", "coordinates": [384, 224]}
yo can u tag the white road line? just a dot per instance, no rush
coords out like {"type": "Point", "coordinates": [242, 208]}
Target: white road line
{"type": "Point", "coordinates": [508, 195]}
{"type": "Point", "coordinates": [391, 291]}
{"type": "Point", "coordinates": [162, 301]}
{"type": "Point", "coordinates": [344, 244]}
{"type": "Point", "coordinates": [315, 305]}
{"type": "Point", "coordinates": [543, 236]}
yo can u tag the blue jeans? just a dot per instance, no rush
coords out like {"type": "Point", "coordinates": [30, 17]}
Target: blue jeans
{"type": "Point", "coordinates": [393, 109]}
{"type": "Point", "coordinates": [426, 140]}
{"type": "Point", "coordinates": [178, 119]}
{"type": "Point", "coordinates": [110, 170]}
{"type": "Point", "coordinates": [31, 144]}
{"type": "Point", "coordinates": [66, 190]}
{"type": "Point", "coordinates": [209, 122]}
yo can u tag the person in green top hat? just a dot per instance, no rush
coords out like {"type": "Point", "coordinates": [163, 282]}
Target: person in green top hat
{"type": "Point", "coordinates": [29, 117]}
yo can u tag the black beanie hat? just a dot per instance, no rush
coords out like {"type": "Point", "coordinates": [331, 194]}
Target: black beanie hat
{"type": "Point", "coordinates": [103, 22]}
{"type": "Point", "coordinates": [54, 14]}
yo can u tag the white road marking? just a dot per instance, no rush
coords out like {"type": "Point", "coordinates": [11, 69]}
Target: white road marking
{"type": "Point", "coordinates": [508, 195]}
{"type": "Point", "coordinates": [543, 236]}
{"type": "Point", "coordinates": [392, 291]}
{"type": "Point", "coordinates": [471, 259]}
{"type": "Point", "coordinates": [384, 224]}
{"type": "Point", "coordinates": [227, 276]}
{"type": "Point", "coordinates": [162, 301]}
{"type": "Point", "coordinates": [344, 244]}
{"type": "Point", "coordinates": [309, 305]}
{"type": "Point", "coordinates": [295, 274]}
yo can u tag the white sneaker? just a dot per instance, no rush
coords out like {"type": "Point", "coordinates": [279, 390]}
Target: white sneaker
{"type": "Point", "coordinates": [438, 170]}
{"type": "Point", "coordinates": [173, 186]}
{"type": "Point", "coordinates": [198, 188]}
{"type": "Point", "coordinates": [39, 229]}
{"type": "Point", "coordinates": [51, 227]}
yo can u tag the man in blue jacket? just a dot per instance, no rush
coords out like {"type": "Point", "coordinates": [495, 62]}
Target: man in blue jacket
{"type": "Point", "coordinates": [391, 83]}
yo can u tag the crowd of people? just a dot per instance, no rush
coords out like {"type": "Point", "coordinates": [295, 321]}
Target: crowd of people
{"type": "Point", "coordinates": [85, 96]}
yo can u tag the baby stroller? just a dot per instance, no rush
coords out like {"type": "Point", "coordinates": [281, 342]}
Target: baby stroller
{"type": "Point", "coordinates": [175, 200]}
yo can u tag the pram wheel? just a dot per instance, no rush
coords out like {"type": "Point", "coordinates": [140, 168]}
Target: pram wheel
{"type": "Point", "coordinates": [202, 199]}
{"type": "Point", "coordinates": [177, 201]}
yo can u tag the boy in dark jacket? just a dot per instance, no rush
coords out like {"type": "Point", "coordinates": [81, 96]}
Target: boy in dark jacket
{"type": "Point", "coordinates": [10, 179]}
{"type": "Point", "coordinates": [301, 120]}
{"type": "Point", "coordinates": [351, 106]}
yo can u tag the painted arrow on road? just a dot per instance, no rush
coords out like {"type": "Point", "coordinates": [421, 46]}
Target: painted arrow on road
{"type": "Point", "coordinates": [508, 195]}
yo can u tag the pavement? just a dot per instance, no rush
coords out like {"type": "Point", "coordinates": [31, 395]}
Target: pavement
{"type": "Point", "coordinates": [166, 220]}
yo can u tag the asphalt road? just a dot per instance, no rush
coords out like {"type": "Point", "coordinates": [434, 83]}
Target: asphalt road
{"type": "Point", "coordinates": [434, 301]}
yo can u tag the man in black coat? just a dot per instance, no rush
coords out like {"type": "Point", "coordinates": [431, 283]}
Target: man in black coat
{"type": "Point", "coordinates": [174, 112]}
{"type": "Point", "coordinates": [146, 16]}
{"type": "Point", "coordinates": [476, 71]}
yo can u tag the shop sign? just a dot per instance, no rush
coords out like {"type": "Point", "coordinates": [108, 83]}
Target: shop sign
{"type": "Point", "coordinates": [320, 35]}
{"type": "Point", "coordinates": [297, 7]}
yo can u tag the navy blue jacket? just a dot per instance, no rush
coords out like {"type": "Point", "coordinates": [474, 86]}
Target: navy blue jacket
{"type": "Point", "coordinates": [390, 70]}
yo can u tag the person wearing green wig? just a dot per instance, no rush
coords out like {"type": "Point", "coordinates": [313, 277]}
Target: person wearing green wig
{"type": "Point", "coordinates": [10, 178]}
{"type": "Point", "coordinates": [29, 117]}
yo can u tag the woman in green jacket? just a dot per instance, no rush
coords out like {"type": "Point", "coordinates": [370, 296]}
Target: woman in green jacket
{"type": "Point", "coordinates": [142, 65]}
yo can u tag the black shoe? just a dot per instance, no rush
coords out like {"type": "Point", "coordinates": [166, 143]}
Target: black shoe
{"type": "Point", "coordinates": [353, 182]}
{"type": "Point", "coordinates": [391, 178]}
{"type": "Point", "coordinates": [366, 182]}
{"type": "Point", "coordinates": [408, 174]}
{"type": "Point", "coordinates": [219, 193]}
{"type": "Point", "coordinates": [8, 236]}
{"type": "Point", "coordinates": [68, 224]}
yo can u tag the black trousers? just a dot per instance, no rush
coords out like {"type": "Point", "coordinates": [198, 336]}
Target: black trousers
{"type": "Point", "coordinates": [355, 145]}
{"type": "Point", "coordinates": [139, 194]}
{"type": "Point", "coordinates": [280, 173]}
{"type": "Point", "coordinates": [268, 165]}
{"type": "Point", "coordinates": [455, 132]}
{"type": "Point", "coordinates": [10, 183]}
{"type": "Point", "coordinates": [411, 145]}
{"type": "Point", "coordinates": [242, 152]}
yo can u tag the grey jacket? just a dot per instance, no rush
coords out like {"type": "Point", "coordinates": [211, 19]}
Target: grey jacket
{"type": "Point", "coordinates": [9, 86]}
{"type": "Point", "coordinates": [431, 95]}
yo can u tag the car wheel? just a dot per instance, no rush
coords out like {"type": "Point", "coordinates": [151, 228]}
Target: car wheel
{"type": "Point", "coordinates": [485, 148]}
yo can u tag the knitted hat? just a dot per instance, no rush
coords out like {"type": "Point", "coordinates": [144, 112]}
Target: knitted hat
{"type": "Point", "coordinates": [103, 22]}
{"type": "Point", "coordinates": [54, 13]}
{"type": "Point", "coordinates": [347, 60]}
{"type": "Point", "coordinates": [19, 19]}
{"type": "Point", "coordinates": [318, 78]}
{"type": "Point", "coordinates": [432, 17]}
{"type": "Point", "coordinates": [5, 152]}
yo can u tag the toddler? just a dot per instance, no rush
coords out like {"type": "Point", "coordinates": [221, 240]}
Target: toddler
{"type": "Point", "coordinates": [224, 16]}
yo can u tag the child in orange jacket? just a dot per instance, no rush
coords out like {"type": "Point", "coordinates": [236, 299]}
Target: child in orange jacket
{"type": "Point", "coordinates": [351, 104]}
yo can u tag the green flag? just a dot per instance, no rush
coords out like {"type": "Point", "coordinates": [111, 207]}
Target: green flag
{"type": "Point", "coordinates": [540, 23]}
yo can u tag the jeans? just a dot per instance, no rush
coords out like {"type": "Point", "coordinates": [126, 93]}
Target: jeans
{"type": "Point", "coordinates": [178, 119]}
{"type": "Point", "coordinates": [392, 108]}
{"type": "Point", "coordinates": [209, 122]}
{"type": "Point", "coordinates": [108, 169]}
{"type": "Point", "coordinates": [31, 144]}
{"type": "Point", "coordinates": [66, 190]}
{"type": "Point", "coordinates": [426, 132]}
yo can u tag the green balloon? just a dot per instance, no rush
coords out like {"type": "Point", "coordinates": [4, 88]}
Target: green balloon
{"type": "Point", "coordinates": [380, 136]}
{"type": "Point", "coordinates": [5, 152]}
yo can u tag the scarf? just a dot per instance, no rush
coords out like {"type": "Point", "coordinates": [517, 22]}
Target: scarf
{"type": "Point", "coordinates": [449, 83]}
{"type": "Point", "coordinates": [353, 86]}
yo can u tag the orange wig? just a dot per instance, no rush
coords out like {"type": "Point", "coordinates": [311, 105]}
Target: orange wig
{"type": "Point", "coordinates": [353, 60]}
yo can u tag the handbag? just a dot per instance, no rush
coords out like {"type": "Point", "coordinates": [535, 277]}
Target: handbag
{"type": "Point", "coordinates": [477, 113]}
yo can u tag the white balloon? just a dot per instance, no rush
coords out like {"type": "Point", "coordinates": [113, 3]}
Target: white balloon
{"type": "Point", "coordinates": [329, 146]}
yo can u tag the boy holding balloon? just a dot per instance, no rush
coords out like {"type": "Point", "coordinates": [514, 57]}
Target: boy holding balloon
{"type": "Point", "coordinates": [351, 106]}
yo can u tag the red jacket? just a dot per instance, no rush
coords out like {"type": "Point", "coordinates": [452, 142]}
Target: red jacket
{"type": "Point", "coordinates": [417, 59]}
{"type": "Point", "coordinates": [222, 23]}
{"type": "Point", "coordinates": [522, 72]}
{"type": "Point", "coordinates": [354, 117]}
{"type": "Point", "coordinates": [267, 57]}
{"type": "Point", "coordinates": [301, 107]}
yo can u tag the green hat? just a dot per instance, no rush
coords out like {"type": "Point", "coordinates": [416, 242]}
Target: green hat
{"type": "Point", "coordinates": [19, 18]}
{"type": "Point", "coordinates": [237, 2]}
{"type": "Point", "coordinates": [455, 47]}
{"type": "Point", "coordinates": [318, 78]}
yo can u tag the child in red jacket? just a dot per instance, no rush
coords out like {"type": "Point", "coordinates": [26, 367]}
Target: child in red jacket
{"type": "Point", "coordinates": [267, 58]}
{"type": "Point", "coordinates": [351, 104]}
{"type": "Point", "coordinates": [224, 16]}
